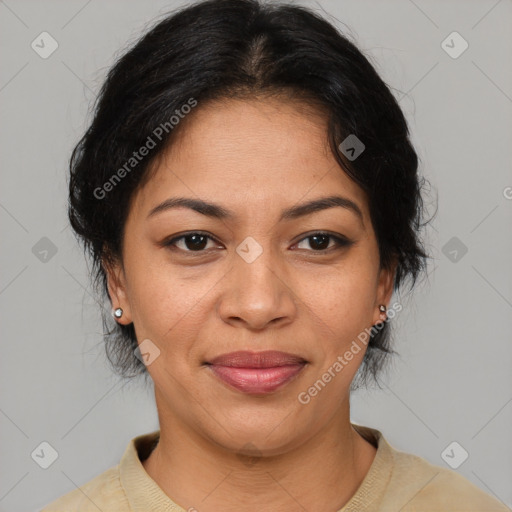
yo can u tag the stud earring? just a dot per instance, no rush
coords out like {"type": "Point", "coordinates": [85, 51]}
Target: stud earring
{"type": "Point", "coordinates": [118, 313]}
{"type": "Point", "coordinates": [382, 308]}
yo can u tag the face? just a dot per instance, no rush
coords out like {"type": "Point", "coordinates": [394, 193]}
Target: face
{"type": "Point", "coordinates": [255, 271]}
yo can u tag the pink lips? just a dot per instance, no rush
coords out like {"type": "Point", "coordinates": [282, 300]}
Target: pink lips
{"type": "Point", "coordinates": [256, 372]}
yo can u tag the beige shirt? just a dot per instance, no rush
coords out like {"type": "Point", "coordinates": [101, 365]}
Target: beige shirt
{"type": "Point", "coordinates": [396, 482]}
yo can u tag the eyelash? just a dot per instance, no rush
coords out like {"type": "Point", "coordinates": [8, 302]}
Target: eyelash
{"type": "Point", "coordinates": [340, 242]}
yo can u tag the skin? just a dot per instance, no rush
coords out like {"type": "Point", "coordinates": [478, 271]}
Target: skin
{"type": "Point", "coordinates": [256, 158]}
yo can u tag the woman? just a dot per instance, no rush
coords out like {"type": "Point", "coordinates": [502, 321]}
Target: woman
{"type": "Point", "coordinates": [250, 199]}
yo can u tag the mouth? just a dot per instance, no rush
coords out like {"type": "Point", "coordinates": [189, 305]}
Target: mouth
{"type": "Point", "coordinates": [256, 372]}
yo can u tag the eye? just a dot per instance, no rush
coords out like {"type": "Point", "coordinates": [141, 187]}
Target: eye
{"type": "Point", "coordinates": [320, 242]}
{"type": "Point", "coordinates": [191, 242]}
{"type": "Point", "coordinates": [197, 242]}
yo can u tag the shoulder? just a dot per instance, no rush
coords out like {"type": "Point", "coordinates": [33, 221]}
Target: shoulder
{"type": "Point", "coordinates": [104, 492]}
{"type": "Point", "coordinates": [425, 487]}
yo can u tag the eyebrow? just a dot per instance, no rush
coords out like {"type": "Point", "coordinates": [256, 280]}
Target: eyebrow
{"type": "Point", "coordinates": [218, 212]}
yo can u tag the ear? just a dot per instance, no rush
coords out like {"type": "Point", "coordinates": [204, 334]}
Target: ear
{"type": "Point", "coordinates": [385, 284]}
{"type": "Point", "coordinates": [116, 283]}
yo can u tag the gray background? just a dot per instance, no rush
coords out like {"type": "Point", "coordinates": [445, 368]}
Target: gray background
{"type": "Point", "coordinates": [452, 381]}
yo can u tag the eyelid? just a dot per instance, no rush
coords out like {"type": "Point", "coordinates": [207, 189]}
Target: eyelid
{"type": "Point", "coordinates": [170, 242]}
{"type": "Point", "coordinates": [341, 241]}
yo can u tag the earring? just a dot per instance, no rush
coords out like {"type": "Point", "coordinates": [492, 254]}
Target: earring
{"type": "Point", "coordinates": [382, 308]}
{"type": "Point", "coordinates": [118, 313]}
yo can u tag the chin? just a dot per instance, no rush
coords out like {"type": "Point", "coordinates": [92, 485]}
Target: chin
{"type": "Point", "coordinates": [272, 433]}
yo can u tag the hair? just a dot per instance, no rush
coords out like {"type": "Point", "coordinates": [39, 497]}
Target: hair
{"type": "Point", "coordinates": [236, 49]}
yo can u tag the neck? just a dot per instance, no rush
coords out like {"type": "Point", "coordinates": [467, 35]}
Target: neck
{"type": "Point", "coordinates": [321, 474]}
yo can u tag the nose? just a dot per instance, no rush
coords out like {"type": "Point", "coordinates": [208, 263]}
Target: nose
{"type": "Point", "coordinates": [258, 294]}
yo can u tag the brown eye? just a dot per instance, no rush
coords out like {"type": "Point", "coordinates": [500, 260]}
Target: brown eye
{"type": "Point", "coordinates": [320, 242]}
{"type": "Point", "coordinates": [192, 242]}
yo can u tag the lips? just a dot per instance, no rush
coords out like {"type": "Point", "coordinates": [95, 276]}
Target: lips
{"type": "Point", "coordinates": [256, 372]}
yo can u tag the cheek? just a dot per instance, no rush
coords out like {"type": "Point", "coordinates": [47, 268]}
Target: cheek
{"type": "Point", "coordinates": [162, 302]}
{"type": "Point", "coordinates": [347, 296]}
{"type": "Point", "coordinates": [343, 307]}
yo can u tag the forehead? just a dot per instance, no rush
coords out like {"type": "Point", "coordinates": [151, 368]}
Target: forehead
{"type": "Point", "coordinates": [252, 151]}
